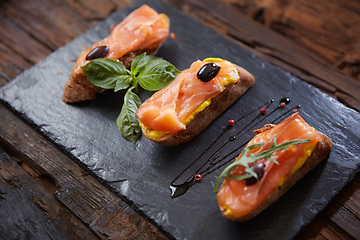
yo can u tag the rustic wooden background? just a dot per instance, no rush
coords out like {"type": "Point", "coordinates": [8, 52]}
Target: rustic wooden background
{"type": "Point", "coordinates": [318, 41]}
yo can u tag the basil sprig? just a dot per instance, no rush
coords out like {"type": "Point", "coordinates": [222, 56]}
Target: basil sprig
{"type": "Point", "coordinates": [150, 72]}
{"type": "Point", "coordinates": [244, 160]}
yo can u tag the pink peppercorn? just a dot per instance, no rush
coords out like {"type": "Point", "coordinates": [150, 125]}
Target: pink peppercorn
{"type": "Point", "coordinates": [263, 110]}
{"type": "Point", "coordinates": [198, 177]}
{"type": "Point", "coordinates": [231, 122]}
{"type": "Point", "coordinates": [282, 104]}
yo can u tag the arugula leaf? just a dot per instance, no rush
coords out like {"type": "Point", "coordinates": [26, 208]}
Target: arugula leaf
{"type": "Point", "coordinates": [126, 122]}
{"type": "Point", "coordinates": [105, 73]}
{"type": "Point", "coordinates": [151, 73]}
{"type": "Point", "coordinates": [244, 160]}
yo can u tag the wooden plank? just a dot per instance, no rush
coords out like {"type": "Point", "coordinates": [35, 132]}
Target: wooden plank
{"type": "Point", "coordinates": [35, 198]}
{"type": "Point", "coordinates": [323, 228]}
{"type": "Point", "coordinates": [317, 26]}
{"type": "Point", "coordinates": [62, 23]}
{"type": "Point", "coordinates": [81, 193]}
{"type": "Point", "coordinates": [350, 197]}
{"type": "Point", "coordinates": [329, 29]}
{"type": "Point", "coordinates": [14, 37]}
{"type": "Point", "coordinates": [336, 220]}
{"type": "Point", "coordinates": [3, 79]}
{"type": "Point", "coordinates": [121, 4]}
{"type": "Point", "coordinates": [15, 212]}
{"type": "Point", "coordinates": [11, 64]}
{"type": "Point", "coordinates": [343, 218]}
{"type": "Point", "coordinates": [91, 9]}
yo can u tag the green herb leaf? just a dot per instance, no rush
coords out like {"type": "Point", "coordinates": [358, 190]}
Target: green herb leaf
{"type": "Point", "coordinates": [156, 75]}
{"type": "Point", "coordinates": [244, 160]}
{"type": "Point", "coordinates": [137, 63]}
{"type": "Point", "coordinates": [126, 122]}
{"type": "Point", "coordinates": [151, 73]}
{"type": "Point", "coordinates": [105, 73]}
{"type": "Point", "coordinates": [149, 58]}
{"type": "Point", "coordinates": [123, 82]}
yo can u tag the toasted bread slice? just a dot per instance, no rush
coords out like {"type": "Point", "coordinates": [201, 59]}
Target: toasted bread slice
{"type": "Point", "coordinates": [231, 203]}
{"type": "Point", "coordinates": [218, 105]}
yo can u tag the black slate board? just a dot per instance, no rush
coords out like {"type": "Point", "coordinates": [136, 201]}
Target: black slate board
{"type": "Point", "coordinates": [142, 172]}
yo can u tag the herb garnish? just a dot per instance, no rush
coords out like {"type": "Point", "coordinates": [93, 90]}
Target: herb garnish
{"type": "Point", "coordinates": [151, 73]}
{"type": "Point", "coordinates": [244, 160]}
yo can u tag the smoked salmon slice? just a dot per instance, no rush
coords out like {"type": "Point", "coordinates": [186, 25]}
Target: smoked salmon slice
{"type": "Point", "coordinates": [240, 201]}
{"type": "Point", "coordinates": [143, 30]}
{"type": "Point", "coordinates": [170, 109]}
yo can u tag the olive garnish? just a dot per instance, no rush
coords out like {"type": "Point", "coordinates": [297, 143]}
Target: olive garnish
{"type": "Point", "coordinates": [208, 72]}
{"type": "Point", "coordinates": [98, 52]}
{"type": "Point", "coordinates": [285, 100]}
{"type": "Point", "coordinates": [258, 168]}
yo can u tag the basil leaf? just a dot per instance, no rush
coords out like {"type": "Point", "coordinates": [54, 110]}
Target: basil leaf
{"type": "Point", "coordinates": [137, 63]}
{"type": "Point", "coordinates": [104, 72]}
{"type": "Point", "coordinates": [156, 75]}
{"type": "Point", "coordinates": [151, 73]}
{"type": "Point", "coordinates": [126, 122]}
{"type": "Point", "coordinates": [149, 58]}
{"type": "Point", "coordinates": [123, 82]}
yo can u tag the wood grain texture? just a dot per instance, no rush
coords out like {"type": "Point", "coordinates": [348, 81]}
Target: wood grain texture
{"type": "Point", "coordinates": [87, 199]}
{"type": "Point", "coordinates": [319, 42]}
{"type": "Point", "coordinates": [27, 188]}
{"type": "Point", "coordinates": [329, 29]}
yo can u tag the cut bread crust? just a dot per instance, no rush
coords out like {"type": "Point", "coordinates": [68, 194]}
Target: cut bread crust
{"type": "Point", "coordinates": [218, 105]}
{"type": "Point", "coordinates": [320, 152]}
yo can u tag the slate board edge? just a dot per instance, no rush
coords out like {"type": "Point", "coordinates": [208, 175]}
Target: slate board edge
{"type": "Point", "coordinates": [355, 173]}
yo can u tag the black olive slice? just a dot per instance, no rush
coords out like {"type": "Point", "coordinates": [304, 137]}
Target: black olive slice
{"type": "Point", "coordinates": [98, 52]}
{"type": "Point", "coordinates": [258, 168]}
{"type": "Point", "coordinates": [208, 72]}
{"type": "Point", "coordinates": [285, 100]}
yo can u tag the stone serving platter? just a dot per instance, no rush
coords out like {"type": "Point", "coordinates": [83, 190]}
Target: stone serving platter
{"type": "Point", "coordinates": [141, 173]}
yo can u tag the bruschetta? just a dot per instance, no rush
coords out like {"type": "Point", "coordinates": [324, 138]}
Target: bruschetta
{"type": "Point", "coordinates": [242, 199]}
{"type": "Point", "coordinates": [141, 31]}
{"type": "Point", "coordinates": [192, 101]}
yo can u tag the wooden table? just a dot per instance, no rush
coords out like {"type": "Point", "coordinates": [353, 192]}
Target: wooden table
{"type": "Point", "coordinates": [43, 193]}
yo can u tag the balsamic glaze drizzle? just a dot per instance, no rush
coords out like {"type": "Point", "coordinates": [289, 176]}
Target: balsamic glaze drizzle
{"type": "Point", "coordinates": [216, 161]}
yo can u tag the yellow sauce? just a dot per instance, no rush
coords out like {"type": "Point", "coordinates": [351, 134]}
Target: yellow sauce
{"type": "Point", "coordinates": [300, 162]}
{"type": "Point", "coordinates": [150, 133]}
{"type": "Point", "coordinates": [199, 109]}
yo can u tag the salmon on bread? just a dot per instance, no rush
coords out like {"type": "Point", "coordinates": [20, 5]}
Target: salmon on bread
{"type": "Point", "coordinates": [187, 106]}
{"type": "Point", "coordinates": [241, 200]}
{"type": "Point", "coordinates": [141, 31]}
